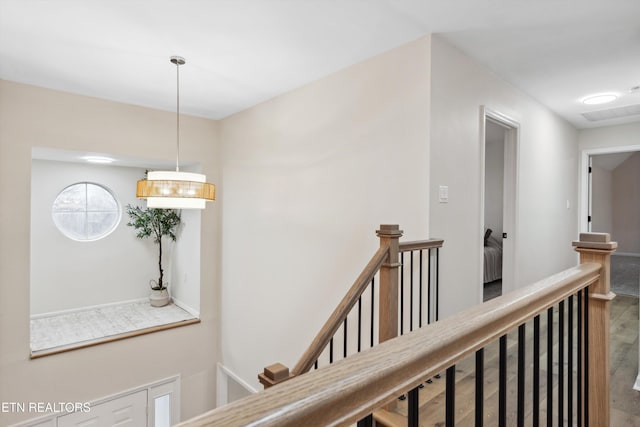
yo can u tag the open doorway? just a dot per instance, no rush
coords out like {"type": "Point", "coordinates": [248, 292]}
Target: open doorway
{"type": "Point", "coordinates": [614, 208]}
{"type": "Point", "coordinates": [499, 193]}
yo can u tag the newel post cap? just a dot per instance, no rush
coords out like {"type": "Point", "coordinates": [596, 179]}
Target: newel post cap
{"type": "Point", "coordinates": [600, 241]}
{"type": "Point", "coordinates": [389, 230]}
{"type": "Point", "coordinates": [274, 374]}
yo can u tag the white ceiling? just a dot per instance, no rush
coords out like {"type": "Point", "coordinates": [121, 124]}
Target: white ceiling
{"type": "Point", "coordinates": [242, 52]}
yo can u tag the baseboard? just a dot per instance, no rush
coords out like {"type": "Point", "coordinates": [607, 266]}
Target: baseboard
{"type": "Point", "coordinates": [90, 307]}
{"type": "Point", "coordinates": [625, 254]}
{"type": "Point", "coordinates": [195, 313]}
{"type": "Point", "coordinates": [221, 393]}
{"type": "Point", "coordinates": [185, 307]}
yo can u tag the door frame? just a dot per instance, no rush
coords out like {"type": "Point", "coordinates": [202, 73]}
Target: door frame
{"type": "Point", "coordinates": [510, 196]}
{"type": "Point", "coordinates": [585, 188]}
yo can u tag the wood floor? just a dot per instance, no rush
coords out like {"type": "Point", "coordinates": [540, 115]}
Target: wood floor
{"type": "Point", "coordinates": [625, 402]}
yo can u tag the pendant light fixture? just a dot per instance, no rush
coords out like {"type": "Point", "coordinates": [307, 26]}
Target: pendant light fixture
{"type": "Point", "coordinates": [175, 189]}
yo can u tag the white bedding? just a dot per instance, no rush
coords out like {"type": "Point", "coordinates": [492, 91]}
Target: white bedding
{"type": "Point", "coordinates": [492, 260]}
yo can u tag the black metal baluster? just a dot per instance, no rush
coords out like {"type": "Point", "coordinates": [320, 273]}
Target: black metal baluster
{"type": "Point", "coordinates": [429, 289]}
{"type": "Point", "coordinates": [420, 292]}
{"type": "Point", "coordinates": [401, 293]}
{"type": "Point", "coordinates": [373, 286]}
{"type": "Point", "coordinates": [359, 324]}
{"type": "Point", "coordinates": [502, 383]}
{"type": "Point", "coordinates": [586, 356]}
{"type": "Point", "coordinates": [344, 339]}
{"type": "Point", "coordinates": [366, 421]}
{"type": "Point", "coordinates": [479, 387]}
{"type": "Point", "coordinates": [450, 397]}
{"type": "Point", "coordinates": [437, 280]}
{"type": "Point", "coordinates": [579, 357]}
{"type": "Point", "coordinates": [521, 364]}
{"type": "Point", "coordinates": [561, 363]}
{"type": "Point", "coordinates": [570, 365]}
{"type": "Point", "coordinates": [536, 371]}
{"type": "Point", "coordinates": [550, 367]}
{"type": "Point", "coordinates": [411, 292]}
{"type": "Point", "coordinates": [413, 410]}
{"type": "Point", "coordinates": [331, 351]}
{"type": "Point", "coordinates": [315, 365]}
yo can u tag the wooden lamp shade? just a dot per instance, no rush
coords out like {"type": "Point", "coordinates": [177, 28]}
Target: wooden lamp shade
{"type": "Point", "coordinates": [175, 190]}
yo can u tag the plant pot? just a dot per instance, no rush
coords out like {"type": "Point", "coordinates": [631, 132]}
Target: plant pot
{"type": "Point", "coordinates": [159, 298]}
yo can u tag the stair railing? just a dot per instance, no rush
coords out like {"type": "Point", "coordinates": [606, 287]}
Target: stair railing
{"type": "Point", "coordinates": [352, 389]}
{"type": "Point", "coordinates": [358, 305]}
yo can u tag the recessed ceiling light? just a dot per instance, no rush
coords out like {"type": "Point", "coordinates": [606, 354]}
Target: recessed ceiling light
{"type": "Point", "coordinates": [600, 98]}
{"type": "Point", "coordinates": [98, 159]}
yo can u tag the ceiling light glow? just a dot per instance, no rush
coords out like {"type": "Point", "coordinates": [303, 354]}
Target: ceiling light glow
{"type": "Point", "coordinates": [600, 98]}
{"type": "Point", "coordinates": [98, 159]}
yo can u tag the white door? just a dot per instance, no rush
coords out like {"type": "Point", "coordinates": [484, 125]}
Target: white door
{"type": "Point", "coordinates": [129, 410]}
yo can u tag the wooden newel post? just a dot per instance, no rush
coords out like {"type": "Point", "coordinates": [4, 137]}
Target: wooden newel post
{"type": "Point", "coordinates": [597, 247]}
{"type": "Point", "coordinates": [388, 319]}
{"type": "Point", "coordinates": [274, 374]}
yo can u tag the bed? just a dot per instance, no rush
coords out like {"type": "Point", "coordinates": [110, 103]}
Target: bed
{"type": "Point", "coordinates": [492, 257]}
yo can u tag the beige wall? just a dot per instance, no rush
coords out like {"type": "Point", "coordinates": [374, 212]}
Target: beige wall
{"type": "Point", "coordinates": [626, 205]}
{"type": "Point", "coordinates": [308, 178]}
{"type": "Point", "coordinates": [494, 187]}
{"type": "Point", "coordinates": [30, 117]}
{"type": "Point", "coordinates": [60, 282]}
{"type": "Point", "coordinates": [602, 140]}
{"type": "Point", "coordinates": [610, 137]}
{"type": "Point", "coordinates": [602, 212]}
{"type": "Point", "coordinates": [547, 177]}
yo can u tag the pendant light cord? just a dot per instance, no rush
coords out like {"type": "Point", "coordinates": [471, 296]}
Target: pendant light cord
{"type": "Point", "coordinates": [177, 117]}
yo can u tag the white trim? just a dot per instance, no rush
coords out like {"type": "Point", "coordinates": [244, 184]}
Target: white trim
{"type": "Point", "coordinates": [590, 194]}
{"type": "Point", "coordinates": [584, 176]}
{"type": "Point", "coordinates": [38, 421]}
{"type": "Point", "coordinates": [171, 388]}
{"type": "Point", "coordinates": [195, 313]}
{"type": "Point", "coordinates": [510, 223]}
{"type": "Point", "coordinates": [90, 307]}
{"type": "Point", "coordinates": [636, 386]}
{"type": "Point", "coordinates": [174, 380]}
{"type": "Point", "coordinates": [481, 181]}
{"type": "Point", "coordinates": [224, 374]}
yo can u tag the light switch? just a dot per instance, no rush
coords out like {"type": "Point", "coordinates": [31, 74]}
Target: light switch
{"type": "Point", "coordinates": [443, 194]}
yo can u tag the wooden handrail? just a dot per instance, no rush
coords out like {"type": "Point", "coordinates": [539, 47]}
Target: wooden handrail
{"type": "Point", "coordinates": [421, 244]}
{"type": "Point", "coordinates": [386, 262]}
{"type": "Point", "coordinates": [342, 310]}
{"type": "Point", "coordinates": [352, 388]}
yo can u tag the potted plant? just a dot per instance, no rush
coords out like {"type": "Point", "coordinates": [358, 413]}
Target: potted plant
{"type": "Point", "coordinates": [155, 223]}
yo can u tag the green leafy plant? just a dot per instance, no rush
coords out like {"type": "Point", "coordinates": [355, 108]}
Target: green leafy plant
{"type": "Point", "coordinates": [156, 224]}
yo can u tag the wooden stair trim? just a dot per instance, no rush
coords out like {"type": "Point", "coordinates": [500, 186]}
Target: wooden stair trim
{"type": "Point", "coordinates": [389, 419]}
{"type": "Point", "coordinates": [421, 245]}
{"type": "Point", "coordinates": [352, 388]}
{"type": "Point", "coordinates": [342, 310]}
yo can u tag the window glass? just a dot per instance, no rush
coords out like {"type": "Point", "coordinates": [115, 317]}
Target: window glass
{"type": "Point", "coordinates": [162, 412]}
{"type": "Point", "coordinates": [86, 211]}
